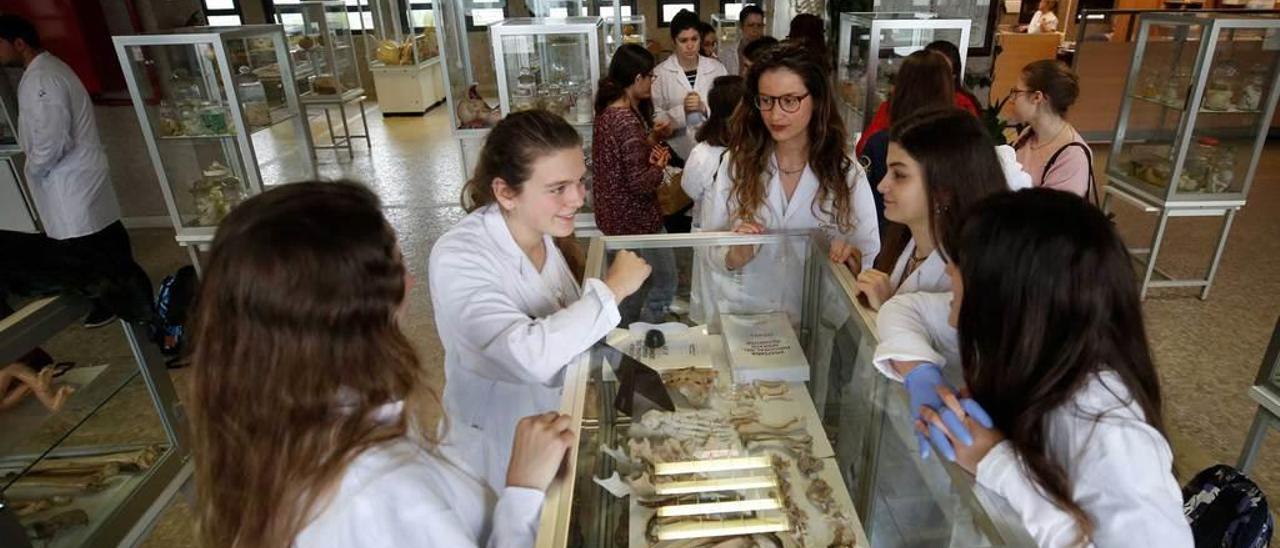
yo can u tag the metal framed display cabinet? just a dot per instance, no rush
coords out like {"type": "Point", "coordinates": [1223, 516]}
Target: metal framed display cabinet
{"type": "Point", "coordinates": [95, 472]}
{"type": "Point", "coordinates": [17, 210]}
{"type": "Point", "coordinates": [404, 57]}
{"type": "Point", "coordinates": [726, 27]}
{"type": "Point", "coordinates": [324, 54]}
{"type": "Point", "coordinates": [1194, 117]}
{"type": "Point", "coordinates": [1266, 393]}
{"type": "Point", "coordinates": [824, 457]}
{"type": "Point", "coordinates": [214, 139]}
{"type": "Point", "coordinates": [981, 14]}
{"type": "Point", "coordinates": [631, 29]}
{"type": "Point", "coordinates": [872, 45]}
{"type": "Point", "coordinates": [551, 64]}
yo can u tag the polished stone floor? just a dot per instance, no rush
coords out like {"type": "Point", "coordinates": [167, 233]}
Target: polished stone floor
{"type": "Point", "coordinates": [1207, 352]}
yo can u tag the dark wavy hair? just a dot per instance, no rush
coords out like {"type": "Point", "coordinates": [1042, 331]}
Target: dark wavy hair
{"type": "Point", "coordinates": [724, 97]}
{"type": "Point", "coordinates": [828, 146]}
{"type": "Point", "coordinates": [629, 62]}
{"type": "Point", "coordinates": [959, 166]}
{"type": "Point", "coordinates": [296, 342]}
{"type": "Point", "coordinates": [1050, 299]}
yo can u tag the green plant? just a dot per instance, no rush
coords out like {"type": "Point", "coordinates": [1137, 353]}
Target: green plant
{"type": "Point", "coordinates": [996, 125]}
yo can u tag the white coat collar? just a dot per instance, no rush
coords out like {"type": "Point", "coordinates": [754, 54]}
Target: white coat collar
{"type": "Point", "coordinates": [496, 226]}
{"type": "Point", "coordinates": [706, 65]}
{"type": "Point", "coordinates": [37, 64]}
{"type": "Point", "coordinates": [806, 190]}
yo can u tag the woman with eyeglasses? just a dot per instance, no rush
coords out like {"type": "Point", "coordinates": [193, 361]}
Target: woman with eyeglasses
{"type": "Point", "coordinates": [789, 168]}
{"type": "Point", "coordinates": [629, 159]}
{"type": "Point", "coordinates": [1051, 150]}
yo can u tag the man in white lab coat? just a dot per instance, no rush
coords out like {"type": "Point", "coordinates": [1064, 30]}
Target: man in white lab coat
{"type": "Point", "coordinates": [85, 247]}
{"type": "Point", "coordinates": [750, 27]}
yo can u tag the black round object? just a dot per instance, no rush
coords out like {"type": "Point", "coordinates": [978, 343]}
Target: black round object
{"type": "Point", "coordinates": [654, 339]}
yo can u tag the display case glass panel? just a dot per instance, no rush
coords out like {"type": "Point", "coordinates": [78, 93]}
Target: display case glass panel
{"type": "Point", "coordinates": [211, 125]}
{"type": "Point", "coordinates": [631, 28]}
{"type": "Point", "coordinates": [871, 49]}
{"type": "Point", "coordinates": [726, 27]}
{"type": "Point", "coordinates": [320, 42]}
{"type": "Point", "coordinates": [980, 13]}
{"type": "Point", "coordinates": [8, 111]}
{"type": "Point", "coordinates": [551, 64]}
{"type": "Point", "coordinates": [1196, 108]}
{"type": "Point", "coordinates": [402, 34]}
{"type": "Point", "coordinates": [820, 456]}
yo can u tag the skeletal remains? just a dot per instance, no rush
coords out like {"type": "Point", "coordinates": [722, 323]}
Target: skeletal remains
{"type": "Point", "coordinates": [49, 528]}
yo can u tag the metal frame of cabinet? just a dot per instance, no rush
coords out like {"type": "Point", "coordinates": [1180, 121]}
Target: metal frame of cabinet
{"type": "Point", "coordinates": [317, 13]}
{"type": "Point", "coordinates": [1266, 393]}
{"type": "Point", "coordinates": [1171, 202]}
{"type": "Point", "coordinates": [534, 27]}
{"type": "Point", "coordinates": [615, 38]}
{"type": "Point", "coordinates": [17, 210]}
{"type": "Point", "coordinates": [140, 499]}
{"type": "Point", "coordinates": [876, 25]}
{"type": "Point", "coordinates": [219, 79]}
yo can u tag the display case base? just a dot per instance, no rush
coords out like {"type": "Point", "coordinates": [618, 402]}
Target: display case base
{"type": "Point", "coordinates": [408, 89]}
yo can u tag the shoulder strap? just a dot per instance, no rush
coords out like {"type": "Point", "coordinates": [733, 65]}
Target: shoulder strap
{"type": "Point", "coordinates": [716, 174]}
{"type": "Point", "coordinates": [1093, 188]}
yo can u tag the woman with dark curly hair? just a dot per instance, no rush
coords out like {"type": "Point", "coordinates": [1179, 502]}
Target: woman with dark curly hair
{"type": "Point", "coordinates": [789, 168]}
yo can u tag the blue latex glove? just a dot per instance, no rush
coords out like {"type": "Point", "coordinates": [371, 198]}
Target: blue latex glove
{"type": "Point", "coordinates": [922, 386]}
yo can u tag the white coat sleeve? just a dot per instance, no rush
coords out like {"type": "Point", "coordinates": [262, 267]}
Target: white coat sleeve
{"type": "Point", "coordinates": [913, 327]}
{"type": "Point", "coordinates": [515, 519]}
{"type": "Point", "coordinates": [866, 230]}
{"type": "Point", "coordinates": [1014, 175]}
{"type": "Point", "coordinates": [1122, 481]}
{"type": "Point", "coordinates": [46, 123]}
{"type": "Point", "coordinates": [697, 171]}
{"type": "Point", "coordinates": [665, 100]}
{"type": "Point", "coordinates": [521, 348]}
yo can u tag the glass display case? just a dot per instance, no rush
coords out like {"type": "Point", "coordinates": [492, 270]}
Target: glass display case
{"type": "Point", "coordinates": [871, 48]}
{"type": "Point", "coordinates": [557, 9]}
{"type": "Point", "coordinates": [981, 14]}
{"type": "Point", "coordinates": [215, 136]}
{"type": "Point", "coordinates": [628, 29]}
{"type": "Point", "coordinates": [17, 210]}
{"type": "Point", "coordinates": [755, 410]}
{"type": "Point", "coordinates": [551, 64]}
{"type": "Point", "coordinates": [82, 463]}
{"type": "Point", "coordinates": [404, 57]}
{"type": "Point", "coordinates": [320, 42]}
{"type": "Point", "coordinates": [1196, 108]}
{"type": "Point", "coordinates": [726, 28]}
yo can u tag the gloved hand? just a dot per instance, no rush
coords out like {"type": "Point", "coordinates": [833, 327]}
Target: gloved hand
{"type": "Point", "coordinates": [922, 385]}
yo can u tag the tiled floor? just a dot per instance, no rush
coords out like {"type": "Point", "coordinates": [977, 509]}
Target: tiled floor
{"type": "Point", "coordinates": [1208, 352]}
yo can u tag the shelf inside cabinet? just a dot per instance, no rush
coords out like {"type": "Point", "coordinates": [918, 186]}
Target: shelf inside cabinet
{"type": "Point", "coordinates": [1181, 108]}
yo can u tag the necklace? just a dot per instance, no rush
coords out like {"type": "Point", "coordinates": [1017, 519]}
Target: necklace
{"type": "Point", "coordinates": [1039, 146]}
{"type": "Point", "coordinates": [786, 171]}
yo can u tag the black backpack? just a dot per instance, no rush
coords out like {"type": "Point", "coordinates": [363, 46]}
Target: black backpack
{"type": "Point", "coordinates": [1227, 510]}
{"type": "Point", "coordinates": [172, 304]}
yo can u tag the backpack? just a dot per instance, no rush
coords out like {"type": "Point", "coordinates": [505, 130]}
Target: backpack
{"type": "Point", "coordinates": [172, 304]}
{"type": "Point", "coordinates": [1227, 510]}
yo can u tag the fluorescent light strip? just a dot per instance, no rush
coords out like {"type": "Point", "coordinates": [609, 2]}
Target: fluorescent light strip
{"type": "Point", "coordinates": [713, 485]}
{"type": "Point", "coordinates": [714, 465]}
{"type": "Point", "coordinates": [677, 531]}
{"type": "Point", "coordinates": [727, 507]}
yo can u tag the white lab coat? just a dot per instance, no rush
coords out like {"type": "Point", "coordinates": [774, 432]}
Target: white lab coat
{"type": "Point", "coordinates": [1041, 19]}
{"type": "Point", "coordinates": [930, 276]}
{"type": "Point", "coordinates": [400, 494]}
{"type": "Point", "coordinates": [1119, 467]}
{"type": "Point", "coordinates": [729, 55]}
{"type": "Point", "coordinates": [699, 173]}
{"type": "Point", "coordinates": [66, 165]}
{"type": "Point", "coordinates": [508, 330]}
{"type": "Point", "coordinates": [774, 279]}
{"type": "Point", "coordinates": [670, 89]}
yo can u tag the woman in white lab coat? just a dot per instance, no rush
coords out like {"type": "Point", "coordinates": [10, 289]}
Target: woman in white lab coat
{"type": "Point", "coordinates": [510, 313]}
{"type": "Point", "coordinates": [940, 163]}
{"type": "Point", "coordinates": [683, 81]}
{"type": "Point", "coordinates": [788, 168]}
{"type": "Point", "coordinates": [1053, 348]}
{"type": "Point", "coordinates": [314, 422]}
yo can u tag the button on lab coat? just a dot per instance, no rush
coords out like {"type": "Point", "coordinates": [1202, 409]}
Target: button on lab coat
{"type": "Point", "coordinates": [670, 88]}
{"type": "Point", "coordinates": [1118, 466]}
{"type": "Point", "coordinates": [508, 331]}
{"type": "Point", "coordinates": [774, 279]}
{"type": "Point", "coordinates": [66, 166]}
{"type": "Point", "coordinates": [399, 494]}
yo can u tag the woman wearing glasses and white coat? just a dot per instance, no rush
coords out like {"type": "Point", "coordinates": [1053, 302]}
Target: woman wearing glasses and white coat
{"type": "Point", "coordinates": [789, 169]}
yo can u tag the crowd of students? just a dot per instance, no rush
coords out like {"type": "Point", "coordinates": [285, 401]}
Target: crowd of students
{"type": "Point", "coordinates": [306, 387]}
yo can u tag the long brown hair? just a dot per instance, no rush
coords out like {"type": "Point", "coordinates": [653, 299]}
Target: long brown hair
{"type": "Point", "coordinates": [723, 99]}
{"type": "Point", "coordinates": [828, 147]}
{"type": "Point", "coordinates": [629, 62]}
{"type": "Point", "coordinates": [958, 165]}
{"type": "Point", "coordinates": [1055, 80]}
{"type": "Point", "coordinates": [1049, 301]}
{"type": "Point", "coordinates": [924, 82]}
{"type": "Point", "coordinates": [296, 343]}
{"type": "Point", "coordinates": [509, 152]}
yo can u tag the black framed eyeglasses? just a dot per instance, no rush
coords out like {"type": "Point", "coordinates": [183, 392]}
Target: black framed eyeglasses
{"type": "Point", "coordinates": [1016, 91]}
{"type": "Point", "coordinates": [789, 103]}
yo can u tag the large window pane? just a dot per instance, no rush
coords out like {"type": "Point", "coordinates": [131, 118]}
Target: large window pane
{"type": "Point", "coordinates": [486, 16]}
{"type": "Point", "coordinates": [669, 11]}
{"type": "Point", "coordinates": [224, 20]}
{"type": "Point", "coordinates": [220, 5]}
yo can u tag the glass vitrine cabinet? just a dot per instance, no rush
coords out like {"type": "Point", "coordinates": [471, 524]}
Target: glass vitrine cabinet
{"type": "Point", "coordinates": [320, 42]}
{"type": "Point", "coordinates": [551, 64]}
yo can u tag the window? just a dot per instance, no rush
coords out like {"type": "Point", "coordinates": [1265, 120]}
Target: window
{"type": "Point", "coordinates": [222, 13]}
{"type": "Point", "coordinates": [604, 8]}
{"type": "Point", "coordinates": [359, 15]}
{"type": "Point", "coordinates": [482, 13]}
{"type": "Point", "coordinates": [667, 9]}
{"type": "Point", "coordinates": [730, 9]}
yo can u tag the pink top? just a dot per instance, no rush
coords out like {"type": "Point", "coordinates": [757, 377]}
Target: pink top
{"type": "Point", "coordinates": [1069, 173]}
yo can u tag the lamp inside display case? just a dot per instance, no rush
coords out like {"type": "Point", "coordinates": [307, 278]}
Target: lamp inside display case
{"type": "Point", "coordinates": [1197, 107]}
{"type": "Point", "coordinates": [550, 64]}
